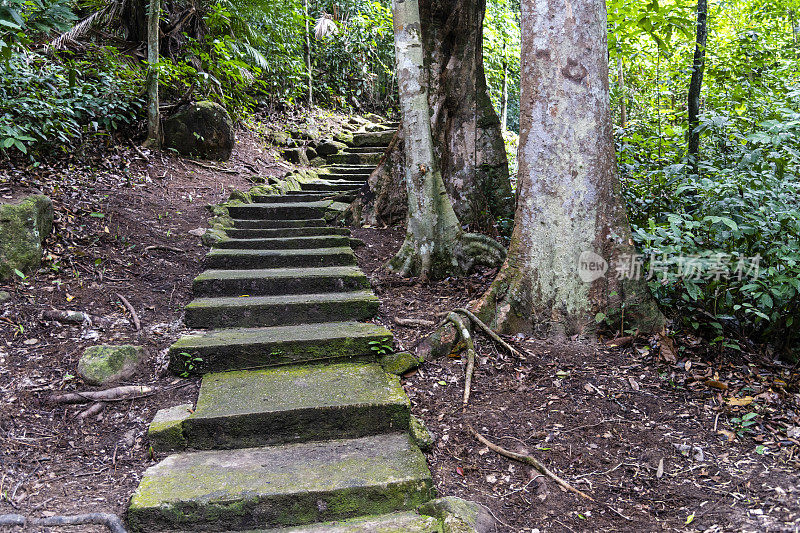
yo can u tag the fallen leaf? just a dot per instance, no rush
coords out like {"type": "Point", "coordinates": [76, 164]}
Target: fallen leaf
{"type": "Point", "coordinates": [667, 348]}
{"type": "Point", "coordinates": [715, 384]}
{"type": "Point", "coordinates": [634, 384]}
{"type": "Point", "coordinates": [660, 471]}
{"type": "Point", "coordinates": [459, 471]}
{"type": "Point", "coordinates": [70, 297]}
{"type": "Point", "coordinates": [745, 400]}
{"type": "Point", "coordinates": [690, 519]}
{"type": "Point", "coordinates": [730, 434]}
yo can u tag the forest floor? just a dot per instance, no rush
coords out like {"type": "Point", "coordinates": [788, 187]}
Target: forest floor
{"type": "Point", "coordinates": [656, 444]}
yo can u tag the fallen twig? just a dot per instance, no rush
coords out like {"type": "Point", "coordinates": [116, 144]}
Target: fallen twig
{"type": "Point", "coordinates": [136, 323]}
{"type": "Point", "coordinates": [139, 151]}
{"type": "Point", "coordinates": [126, 392]}
{"type": "Point", "coordinates": [530, 460]}
{"type": "Point", "coordinates": [486, 329]}
{"type": "Point", "coordinates": [111, 521]}
{"type": "Point", "coordinates": [213, 167]}
{"type": "Point", "coordinates": [411, 322]}
{"type": "Point", "coordinates": [164, 247]}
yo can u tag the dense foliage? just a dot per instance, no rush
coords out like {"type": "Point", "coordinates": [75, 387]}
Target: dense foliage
{"type": "Point", "coordinates": [697, 230]}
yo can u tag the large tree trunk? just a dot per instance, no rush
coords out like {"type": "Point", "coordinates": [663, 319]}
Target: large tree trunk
{"type": "Point", "coordinates": [153, 41]}
{"type": "Point", "coordinates": [435, 245]}
{"type": "Point", "coordinates": [698, 64]}
{"type": "Point", "coordinates": [468, 143]}
{"type": "Point", "coordinates": [570, 216]}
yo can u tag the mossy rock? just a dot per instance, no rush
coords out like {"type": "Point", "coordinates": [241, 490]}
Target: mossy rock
{"type": "Point", "coordinates": [203, 129]}
{"type": "Point", "coordinates": [399, 363]}
{"type": "Point", "coordinates": [330, 147]}
{"type": "Point", "coordinates": [420, 434]}
{"type": "Point", "coordinates": [459, 516]}
{"type": "Point", "coordinates": [23, 229]}
{"type": "Point", "coordinates": [105, 363]}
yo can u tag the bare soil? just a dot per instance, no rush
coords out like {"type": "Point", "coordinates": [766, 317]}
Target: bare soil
{"type": "Point", "coordinates": [656, 445]}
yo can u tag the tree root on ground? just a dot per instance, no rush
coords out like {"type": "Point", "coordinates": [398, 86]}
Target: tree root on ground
{"type": "Point", "coordinates": [456, 256]}
{"type": "Point", "coordinates": [116, 394]}
{"type": "Point", "coordinates": [111, 521]}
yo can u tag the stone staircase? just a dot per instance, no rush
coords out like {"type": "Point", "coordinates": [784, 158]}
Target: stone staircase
{"type": "Point", "coordinates": [296, 425]}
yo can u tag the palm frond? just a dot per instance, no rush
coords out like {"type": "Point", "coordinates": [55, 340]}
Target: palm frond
{"type": "Point", "coordinates": [81, 31]}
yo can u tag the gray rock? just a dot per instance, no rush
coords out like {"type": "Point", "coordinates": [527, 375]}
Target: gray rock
{"type": "Point", "coordinates": [311, 153]}
{"type": "Point", "coordinates": [4, 296]}
{"type": "Point", "coordinates": [295, 155]}
{"type": "Point", "coordinates": [399, 363]}
{"type": "Point", "coordinates": [23, 228]}
{"type": "Point", "coordinates": [203, 129]}
{"type": "Point", "coordinates": [420, 434]}
{"type": "Point", "coordinates": [104, 364]}
{"type": "Point", "coordinates": [330, 147]}
{"type": "Point", "coordinates": [459, 515]}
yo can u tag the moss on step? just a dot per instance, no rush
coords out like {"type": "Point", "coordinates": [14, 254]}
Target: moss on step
{"type": "Point", "coordinates": [166, 430]}
{"type": "Point", "coordinates": [391, 523]}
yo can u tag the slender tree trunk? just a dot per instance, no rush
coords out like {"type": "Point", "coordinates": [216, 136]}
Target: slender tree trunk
{"type": "Point", "coordinates": [153, 115]}
{"type": "Point", "coordinates": [504, 95]}
{"type": "Point", "coordinates": [307, 54]}
{"type": "Point", "coordinates": [698, 64]}
{"type": "Point", "coordinates": [435, 244]}
{"type": "Point", "coordinates": [570, 222]}
{"type": "Point", "coordinates": [623, 110]}
{"type": "Point", "coordinates": [466, 132]}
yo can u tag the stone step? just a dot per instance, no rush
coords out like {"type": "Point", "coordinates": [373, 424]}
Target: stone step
{"type": "Point", "coordinates": [232, 349]}
{"type": "Point", "coordinates": [266, 233]}
{"type": "Point", "coordinates": [366, 149]}
{"type": "Point", "coordinates": [291, 211]}
{"type": "Point", "coordinates": [298, 196]}
{"type": "Point", "coordinates": [249, 408]}
{"type": "Point", "coordinates": [371, 158]}
{"type": "Point", "coordinates": [402, 522]}
{"type": "Point", "coordinates": [285, 243]}
{"type": "Point", "coordinates": [341, 176]}
{"type": "Point", "coordinates": [275, 281]}
{"type": "Point", "coordinates": [249, 259]}
{"type": "Point", "coordinates": [274, 486]}
{"type": "Point", "coordinates": [374, 138]}
{"type": "Point", "coordinates": [350, 169]}
{"type": "Point", "coordinates": [285, 310]}
{"type": "Point", "coordinates": [280, 224]}
{"type": "Point", "coordinates": [331, 186]}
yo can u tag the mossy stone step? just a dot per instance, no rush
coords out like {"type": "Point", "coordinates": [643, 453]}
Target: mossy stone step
{"type": "Point", "coordinates": [402, 522]}
{"type": "Point", "coordinates": [289, 210]}
{"type": "Point", "coordinates": [298, 196]}
{"type": "Point", "coordinates": [280, 224]}
{"type": "Point", "coordinates": [274, 281]}
{"type": "Point", "coordinates": [266, 233]}
{"type": "Point", "coordinates": [285, 243]}
{"type": "Point", "coordinates": [374, 138]}
{"type": "Point", "coordinates": [247, 259]}
{"type": "Point", "coordinates": [248, 408]}
{"type": "Point", "coordinates": [369, 158]}
{"type": "Point", "coordinates": [287, 310]}
{"type": "Point", "coordinates": [332, 186]}
{"type": "Point", "coordinates": [366, 149]}
{"type": "Point", "coordinates": [286, 485]}
{"type": "Point", "coordinates": [361, 177]}
{"type": "Point", "coordinates": [233, 349]}
{"type": "Point", "coordinates": [349, 169]}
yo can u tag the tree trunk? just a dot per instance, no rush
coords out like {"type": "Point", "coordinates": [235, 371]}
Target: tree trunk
{"type": "Point", "coordinates": [623, 110]}
{"type": "Point", "coordinates": [696, 84]}
{"type": "Point", "coordinates": [468, 143]}
{"type": "Point", "coordinates": [153, 115]}
{"type": "Point", "coordinates": [570, 218]}
{"type": "Point", "coordinates": [504, 99]}
{"type": "Point", "coordinates": [307, 54]}
{"type": "Point", "coordinates": [435, 245]}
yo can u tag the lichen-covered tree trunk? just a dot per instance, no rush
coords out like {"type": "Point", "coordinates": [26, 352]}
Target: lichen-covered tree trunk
{"type": "Point", "coordinates": [435, 245]}
{"type": "Point", "coordinates": [468, 142]}
{"type": "Point", "coordinates": [570, 221]}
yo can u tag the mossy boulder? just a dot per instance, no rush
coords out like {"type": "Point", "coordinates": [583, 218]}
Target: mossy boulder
{"type": "Point", "coordinates": [399, 363]}
{"type": "Point", "coordinates": [203, 129]}
{"type": "Point", "coordinates": [295, 155]}
{"type": "Point", "coordinates": [23, 228]}
{"type": "Point", "coordinates": [104, 364]}
{"type": "Point", "coordinates": [330, 147]}
{"type": "Point", "coordinates": [420, 434]}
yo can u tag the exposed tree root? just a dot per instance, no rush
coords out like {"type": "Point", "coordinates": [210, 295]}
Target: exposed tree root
{"type": "Point", "coordinates": [111, 521]}
{"type": "Point", "coordinates": [463, 330]}
{"type": "Point", "coordinates": [127, 392]}
{"type": "Point", "coordinates": [530, 460]}
{"type": "Point", "coordinates": [94, 409]}
{"type": "Point", "coordinates": [486, 329]}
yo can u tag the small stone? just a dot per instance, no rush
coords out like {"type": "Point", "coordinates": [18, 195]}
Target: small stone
{"type": "Point", "coordinates": [198, 232]}
{"type": "Point", "coordinates": [459, 515]}
{"type": "Point", "coordinates": [104, 364]}
{"type": "Point", "coordinates": [420, 434]}
{"type": "Point", "coordinates": [399, 363]}
{"type": "Point", "coordinates": [4, 296]}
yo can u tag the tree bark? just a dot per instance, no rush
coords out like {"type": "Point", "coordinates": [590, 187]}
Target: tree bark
{"type": "Point", "coordinates": [623, 109]}
{"type": "Point", "coordinates": [570, 216]}
{"type": "Point", "coordinates": [696, 83]}
{"type": "Point", "coordinates": [504, 97]}
{"type": "Point", "coordinates": [468, 143]}
{"type": "Point", "coordinates": [307, 54]}
{"type": "Point", "coordinates": [435, 245]}
{"type": "Point", "coordinates": [153, 39]}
